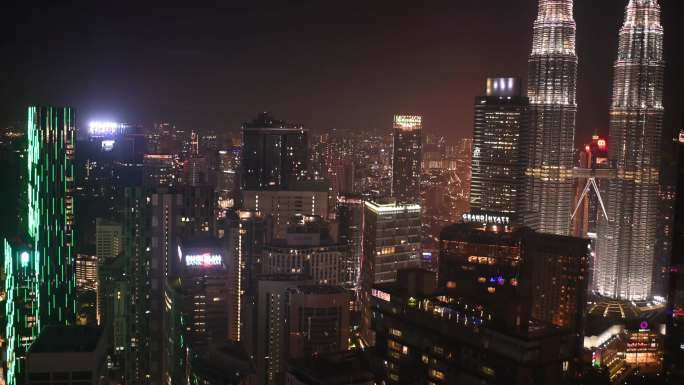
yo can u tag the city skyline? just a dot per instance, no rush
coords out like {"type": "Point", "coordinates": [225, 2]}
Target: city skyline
{"type": "Point", "coordinates": [120, 70]}
{"type": "Point", "coordinates": [215, 225]}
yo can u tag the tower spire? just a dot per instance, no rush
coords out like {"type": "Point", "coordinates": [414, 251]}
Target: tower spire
{"type": "Point", "coordinates": [549, 143]}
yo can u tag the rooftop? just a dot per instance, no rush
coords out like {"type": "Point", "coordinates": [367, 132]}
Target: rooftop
{"type": "Point", "coordinates": [67, 339]}
{"type": "Point", "coordinates": [336, 369]}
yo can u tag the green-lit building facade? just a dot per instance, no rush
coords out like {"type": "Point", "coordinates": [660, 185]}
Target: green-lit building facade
{"type": "Point", "coordinates": [39, 268]}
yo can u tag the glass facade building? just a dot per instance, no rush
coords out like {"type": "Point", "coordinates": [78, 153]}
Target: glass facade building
{"type": "Point", "coordinates": [497, 168]}
{"type": "Point", "coordinates": [551, 88]}
{"type": "Point", "coordinates": [625, 247]}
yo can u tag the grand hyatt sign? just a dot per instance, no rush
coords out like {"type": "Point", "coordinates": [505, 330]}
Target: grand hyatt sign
{"type": "Point", "coordinates": [486, 218]}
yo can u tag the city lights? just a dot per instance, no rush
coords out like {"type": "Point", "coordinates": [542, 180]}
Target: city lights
{"type": "Point", "coordinates": [103, 128]}
{"type": "Point", "coordinates": [206, 259]}
{"type": "Point", "coordinates": [208, 243]}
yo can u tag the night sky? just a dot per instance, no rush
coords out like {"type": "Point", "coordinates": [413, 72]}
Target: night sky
{"type": "Point", "coordinates": [326, 64]}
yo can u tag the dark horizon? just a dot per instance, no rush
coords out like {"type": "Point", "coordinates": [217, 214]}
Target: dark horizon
{"type": "Point", "coordinates": [346, 67]}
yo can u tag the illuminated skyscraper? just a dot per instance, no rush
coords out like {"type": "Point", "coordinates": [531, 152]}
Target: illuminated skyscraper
{"type": "Point", "coordinates": [406, 158]}
{"type": "Point", "coordinates": [497, 170]}
{"type": "Point", "coordinates": [40, 281]}
{"type": "Point", "coordinates": [551, 89]}
{"type": "Point", "coordinates": [21, 310]}
{"type": "Point", "coordinates": [625, 247]}
{"type": "Point", "coordinates": [391, 242]}
{"type": "Point", "coordinates": [50, 210]}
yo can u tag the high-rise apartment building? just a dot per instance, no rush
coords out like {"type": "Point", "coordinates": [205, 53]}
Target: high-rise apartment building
{"type": "Point", "coordinates": [274, 153]}
{"type": "Point", "coordinates": [626, 242]}
{"type": "Point", "coordinates": [140, 364]}
{"type": "Point", "coordinates": [551, 89]}
{"type": "Point", "coordinates": [406, 158]}
{"type": "Point", "coordinates": [270, 318]}
{"type": "Point", "coordinates": [497, 167]}
{"type": "Point", "coordinates": [244, 233]}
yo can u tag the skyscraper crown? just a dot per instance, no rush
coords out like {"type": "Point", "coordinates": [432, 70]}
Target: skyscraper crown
{"type": "Point", "coordinates": [555, 10]}
{"type": "Point", "coordinates": [643, 14]}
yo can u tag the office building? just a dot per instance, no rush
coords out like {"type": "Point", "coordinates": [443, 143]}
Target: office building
{"type": "Point", "coordinates": [274, 154]}
{"type": "Point", "coordinates": [391, 241]}
{"type": "Point", "coordinates": [497, 167]}
{"type": "Point", "coordinates": [625, 246]}
{"type": "Point", "coordinates": [523, 275]}
{"type": "Point", "coordinates": [307, 249]}
{"type": "Point", "coordinates": [551, 89]}
{"type": "Point", "coordinates": [279, 206]}
{"type": "Point", "coordinates": [68, 355]}
{"type": "Point", "coordinates": [159, 170]}
{"type": "Point", "coordinates": [424, 336]}
{"type": "Point", "coordinates": [406, 158]}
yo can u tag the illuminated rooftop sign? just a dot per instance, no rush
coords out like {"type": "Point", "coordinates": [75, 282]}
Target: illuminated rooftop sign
{"type": "Point", "coordinates": [486, 218]}
{"type": "Point", "coordinates": [379, 294]}
{"type": "Point", "coordinates": [206, 259]}
{"type": "Point", "coordinates": [104, 128]}
{"type": "Point", "coordinates": [503, 87]}
{"type": "Point", "coordinates": [408, 122]}
{"type": "Point", "coordinates": [392, 208]}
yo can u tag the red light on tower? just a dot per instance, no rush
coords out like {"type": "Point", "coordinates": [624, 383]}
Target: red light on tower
{"type": "Point", "coordinates": [587, 148]}
{"type": "Point", "coordinates": [602, 145]}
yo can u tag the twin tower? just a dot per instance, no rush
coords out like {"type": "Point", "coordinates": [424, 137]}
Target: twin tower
{"type": "Point", "coordinates": [626, 240]}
